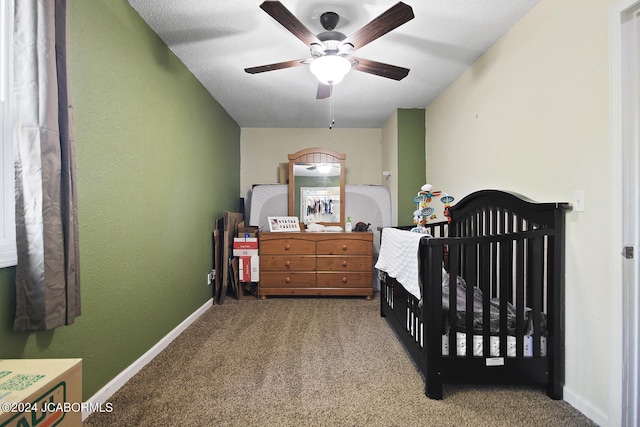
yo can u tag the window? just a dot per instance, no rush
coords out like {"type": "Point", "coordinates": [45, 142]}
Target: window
{"type": "Point", "coordinates": [8, 255]}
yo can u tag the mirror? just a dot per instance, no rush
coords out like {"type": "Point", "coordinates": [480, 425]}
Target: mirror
{"type": "Point", "coordinates": [316, 186]}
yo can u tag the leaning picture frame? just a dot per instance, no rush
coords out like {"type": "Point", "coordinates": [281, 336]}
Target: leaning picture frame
{"type": "Point", "coordinates": [283, 223]}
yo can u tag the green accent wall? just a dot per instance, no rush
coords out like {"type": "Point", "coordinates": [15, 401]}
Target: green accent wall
{"type": "Point", "coordinates": [158, 160]}
{"type": "Point", "coordinates": [411, 161]}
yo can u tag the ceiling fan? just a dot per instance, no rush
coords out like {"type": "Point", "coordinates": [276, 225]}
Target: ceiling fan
{"type": "Point", "coordinates": [331, 51]}
{"type": "Point", "coordinates": [323, 167]}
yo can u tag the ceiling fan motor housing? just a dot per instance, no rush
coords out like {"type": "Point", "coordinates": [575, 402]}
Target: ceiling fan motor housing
{"type": "Point", "coordinates": [331, 45]}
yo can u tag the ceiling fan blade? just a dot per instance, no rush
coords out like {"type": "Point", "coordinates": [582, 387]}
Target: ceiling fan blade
{"type": "Point", "coordinates": [389, 20]}
{"type": "Point", "coordinates": [324, 91]}
{"type": "Point", "coordinates": [276, 66]}
{"type": "Point", "coordinates": [380, 69]}
{"type": "Point", "coordinates": [281, 14]}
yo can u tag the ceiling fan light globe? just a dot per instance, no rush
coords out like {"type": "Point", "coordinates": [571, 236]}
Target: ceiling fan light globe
{"type": "Point", "coordinates": [330, 69]}
{"type": "Point", "coordinates": [324, 168]}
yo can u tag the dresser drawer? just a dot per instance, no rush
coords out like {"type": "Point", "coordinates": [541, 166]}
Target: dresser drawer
{"type": "Point", "coordinates": [344, 263]}
{"type": "Point", "coordinates": [287, 246]}
{"type": "Point", "coordinates": [273, 279]}
{"type": "Point", "coordinates": [345, 247]}
{"type": "Point", "coordinates": [287, 263]}
{"type": "Point", "coordinates": [344, 280]}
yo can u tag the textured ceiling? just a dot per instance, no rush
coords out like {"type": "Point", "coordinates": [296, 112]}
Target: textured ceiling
{"type": "Point", "coordinates": [217, 40]}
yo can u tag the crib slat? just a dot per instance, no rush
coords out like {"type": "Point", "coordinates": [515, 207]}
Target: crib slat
{"type": "Point", "coordinates": [471, 284]}
{"type": "Point", "coordinates": [485, 286]}
{"type": "Point", "coordinates": [519, 257]}
{"type": "Point", "coordinates": [505, 284]}
{"type": "Point", "coordinates": [536, 279]}
{"type": "Point", "coordinates": [454, 263]}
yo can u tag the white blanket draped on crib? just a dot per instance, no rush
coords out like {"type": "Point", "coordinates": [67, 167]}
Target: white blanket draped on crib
{"type": "Point", "coordinates": [399, 258]}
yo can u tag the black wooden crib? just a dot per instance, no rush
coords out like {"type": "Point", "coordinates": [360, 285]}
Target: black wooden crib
{"type": "Point", "coordinates": [490, 306]}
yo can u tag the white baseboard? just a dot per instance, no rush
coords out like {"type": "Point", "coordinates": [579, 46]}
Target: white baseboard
{"type": "Point", "coordinates": [594, 414]}
{"type": "Point", "coordinates": [102, 396]}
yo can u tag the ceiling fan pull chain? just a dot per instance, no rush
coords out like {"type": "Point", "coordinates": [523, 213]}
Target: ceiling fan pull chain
{"type": "Point", "coordinates": [332, 121]}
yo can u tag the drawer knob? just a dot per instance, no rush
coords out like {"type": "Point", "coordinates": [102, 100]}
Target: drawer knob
{"type": "Point", "coordinates": [344, 280]}
{"type": "Point", "coordinates": [344, 263]}
{"type": "Point", "coordinates": [287, 279]}
{"type": "Point", "coordinates": [286, 247]}
{"type": "Point", "coordinates": [287, 263]}
{"type": "Point", "coordinates": [344, 247]}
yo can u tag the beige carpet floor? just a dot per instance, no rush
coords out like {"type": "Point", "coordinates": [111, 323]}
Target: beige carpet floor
{"type": "Point", "coordinates": [311, 362]}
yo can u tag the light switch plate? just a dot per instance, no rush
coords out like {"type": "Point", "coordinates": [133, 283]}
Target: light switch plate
{"type": "Point", "coordinates": [579, 200]}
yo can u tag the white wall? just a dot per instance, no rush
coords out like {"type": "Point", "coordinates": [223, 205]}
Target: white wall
{"type": "Point", "coordinates": [262, 150]}
{"type": "Point", "coordinates": [531, 116]}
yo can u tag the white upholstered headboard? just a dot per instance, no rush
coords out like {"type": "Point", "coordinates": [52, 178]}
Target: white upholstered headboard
{"type": "Point", "coordinates": [266, 200]}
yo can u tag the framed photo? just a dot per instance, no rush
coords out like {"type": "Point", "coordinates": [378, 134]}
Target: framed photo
{"type": "Point", "coordinates": [283, 223]}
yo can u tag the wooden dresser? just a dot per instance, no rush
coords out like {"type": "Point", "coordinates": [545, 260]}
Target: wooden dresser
{"type": "Point", "coordinates": [305, 263]}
